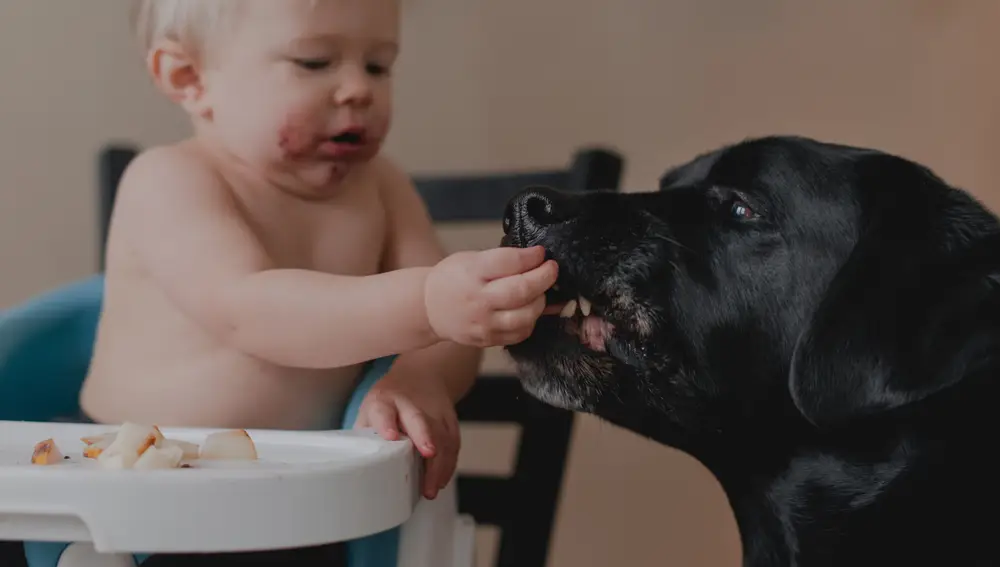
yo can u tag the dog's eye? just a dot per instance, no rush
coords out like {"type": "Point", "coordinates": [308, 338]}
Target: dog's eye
{"type": "Point", "coordinates": [741, 211]}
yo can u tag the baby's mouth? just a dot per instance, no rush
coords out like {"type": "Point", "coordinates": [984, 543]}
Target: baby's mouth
{"type": "Point", "coordinates": [347, 144]}
{"type": "Point", "coordinates": [350, 138]}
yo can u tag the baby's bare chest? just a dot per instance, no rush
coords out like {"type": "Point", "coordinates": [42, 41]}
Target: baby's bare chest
{"type": "Point", "coordinates": [342, 239]}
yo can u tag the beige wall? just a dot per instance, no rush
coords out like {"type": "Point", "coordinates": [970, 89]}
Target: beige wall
{"type": "Point", "coordinates": [521, 83]}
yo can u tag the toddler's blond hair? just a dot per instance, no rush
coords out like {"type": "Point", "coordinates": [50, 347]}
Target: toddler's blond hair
{"type": "Point", "coordinates": [188, 22]}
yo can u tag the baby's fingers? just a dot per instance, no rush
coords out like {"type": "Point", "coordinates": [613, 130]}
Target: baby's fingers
{"type": "Point", "coordinates": [382, 417]}
{"type": "Point", "coordinates": [520, 290]}
{"type": "Point", "coordinates": [506, 261]}
{"type": "Point", "coordinates": [433, 477]}
{"type": "Point", "coordinates": [418, 430]}
{"type": "Point", "coordinates": [521, 319]}
{"type": "Point", "coordinates": [441, 468]}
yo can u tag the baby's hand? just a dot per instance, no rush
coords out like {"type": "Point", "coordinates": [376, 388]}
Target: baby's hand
{"type": "Point", "coordinates": [489, 298]}
{"type": "Point", "coordinates": [424, 412]}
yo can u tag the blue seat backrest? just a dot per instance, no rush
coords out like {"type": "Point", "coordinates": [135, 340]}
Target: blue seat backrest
{"type": "Point", "coordinates": [45, 348]}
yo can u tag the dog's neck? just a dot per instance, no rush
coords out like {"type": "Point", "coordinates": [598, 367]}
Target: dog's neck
{"type": "Point", "coordinates": [799, 498]}
{"type": "Point", "coordinates": [774, 496]}
{"type": "Point", "coordinates": [800, 494]}
{"type": "Point", "coordinates": [775, 491]}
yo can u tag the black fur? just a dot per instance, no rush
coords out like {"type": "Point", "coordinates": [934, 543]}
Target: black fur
{"type": "Point", "coordinates": [818, 324]}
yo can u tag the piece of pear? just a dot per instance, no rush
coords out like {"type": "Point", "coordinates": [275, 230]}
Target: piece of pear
{"type": "Point", "coordinates": [234, 444]}
{"type": "Point", "coordinates": [46, 453]}
{"type": "Point", "coordinates": [129, 444]}
{"type": "Point", "coordinates": [189, 450]}
{"type": "Point", "coordinates": [159, 458]}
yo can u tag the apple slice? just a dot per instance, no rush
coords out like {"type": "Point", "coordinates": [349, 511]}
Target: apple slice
{"type": "Point", "coordinates": [115, 461]}
{"type": "Point", "coordinates": [97, 445]}
{"type": "Point", "coordinates": [46, 453]}
{"type": "Point", "coordinates": [135, 437]}
{"type": "Point", "coordinates": [158, 436]}
{"type": "Point", "coordinates": [104, 438]}
{"type": "Point", "coordinates": [130, 443]}
{"type": "Point", "coordinates": [234, 444]}
{"type": "Point", "coordinates": [188, 449]}
{"type": "Point", "coordinates": [156, 458]}
{"type": "Point", "coordinates": [92, 451]}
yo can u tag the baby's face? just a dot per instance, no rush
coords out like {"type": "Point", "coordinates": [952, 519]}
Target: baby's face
{"type": "Point", "coordinates": [302, 87]}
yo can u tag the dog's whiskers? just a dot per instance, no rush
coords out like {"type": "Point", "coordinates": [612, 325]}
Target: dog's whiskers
{"type": "Point", "coordinates": [674, 242]}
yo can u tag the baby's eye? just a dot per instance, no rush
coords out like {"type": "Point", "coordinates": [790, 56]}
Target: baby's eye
{"type": "Point", "coordinates": [312, 64]}
{"type": "Point", "coordinates": [376, 70]}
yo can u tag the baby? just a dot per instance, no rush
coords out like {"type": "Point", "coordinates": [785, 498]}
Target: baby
{"type": "Point", "coordinates": [253, 268]}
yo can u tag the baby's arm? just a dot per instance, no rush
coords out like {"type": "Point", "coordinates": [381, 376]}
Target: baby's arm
{"type": "Point", "coordinates": [419, 393]}
{"type": "Point", "coordinates": [190, 237]}
{"type": "Point", "coordinates": [413, 243]}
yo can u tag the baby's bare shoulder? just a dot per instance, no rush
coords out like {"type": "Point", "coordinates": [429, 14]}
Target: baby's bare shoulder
{"type": "Point", "coordinates": [175, 175]}
{"type": "Point", "coordinates": [170, 189]}
{"type": "Point", "coordinates": [174, 208]}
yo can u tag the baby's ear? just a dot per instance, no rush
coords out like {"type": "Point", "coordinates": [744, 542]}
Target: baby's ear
{"type": "Point", "coordinates": [176, 72]}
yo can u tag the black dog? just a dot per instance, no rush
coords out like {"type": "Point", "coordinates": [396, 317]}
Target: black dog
{"type": "Point", "coordinates": [818, 324]}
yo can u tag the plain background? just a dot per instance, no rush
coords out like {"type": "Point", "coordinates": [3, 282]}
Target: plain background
{"type": "Point", "coordinates": [491, 85]}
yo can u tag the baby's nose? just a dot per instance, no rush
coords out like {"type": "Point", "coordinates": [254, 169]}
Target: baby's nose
{"type": "Point", "coordinates": [354, 90]}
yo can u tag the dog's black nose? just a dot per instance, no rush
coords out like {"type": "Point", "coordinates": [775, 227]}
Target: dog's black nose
{"type": "Point", "coordinates": [530, 212]}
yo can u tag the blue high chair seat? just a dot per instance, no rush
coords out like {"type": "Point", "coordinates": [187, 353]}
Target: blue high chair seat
{"type": "Point", "coordinates": [46, 345]}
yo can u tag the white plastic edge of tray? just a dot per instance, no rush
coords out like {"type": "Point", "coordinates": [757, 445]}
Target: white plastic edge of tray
{"type": "Point", "coordinates": [243, 508]}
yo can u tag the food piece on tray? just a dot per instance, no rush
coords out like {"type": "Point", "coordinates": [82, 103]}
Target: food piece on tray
{"type": "Point", "coordinates": [46, 453]}
{"type": "Point", "coordinates": [143, 447]}
{"type": "Point", "coordinates": [129, 444]}
{"type": "Point", "coordinates": [188, 449]}
{"type": "Point", "coordinates": [115, 461]}
{"type": "Point", "coordinates": [96, 444]}
{"type": "Point", "coordinates": [104, 439]}
{"type": "Point", "coordinates": [92, 451]}
{"type": "Point", "coordinates": [234, 444]}
{"type": "Point", "coordinates": [168, 457]}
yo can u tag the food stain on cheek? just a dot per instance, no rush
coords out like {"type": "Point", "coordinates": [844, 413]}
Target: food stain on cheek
{"type": "Point", "coordinates": [294, 141]}
{"type": "Point", "coordinates": [299, 136]}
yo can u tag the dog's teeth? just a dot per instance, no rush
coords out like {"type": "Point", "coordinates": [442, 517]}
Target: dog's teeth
{"type": "Point", "coordinates": [584, 306]}
{"type": "Point", "coordinates": [569, 309]}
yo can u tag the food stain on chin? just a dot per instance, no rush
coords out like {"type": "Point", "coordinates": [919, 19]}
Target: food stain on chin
{"type": "Point", "coordinates": [300, 142]}
{"type": "Point", "coordinates": [338, 172]}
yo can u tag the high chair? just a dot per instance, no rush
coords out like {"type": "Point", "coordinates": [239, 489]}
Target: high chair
{"type": "Point", "coordinates": [45, 349]}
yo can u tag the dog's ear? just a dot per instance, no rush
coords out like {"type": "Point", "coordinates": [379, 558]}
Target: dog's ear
{"type": "Point", "coordinates": [905, 316]}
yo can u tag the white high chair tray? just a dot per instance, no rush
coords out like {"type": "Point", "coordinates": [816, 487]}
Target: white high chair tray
{"type": "Point", "coordinates": [306, 488]}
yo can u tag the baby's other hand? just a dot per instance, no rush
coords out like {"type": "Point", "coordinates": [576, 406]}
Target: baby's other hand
{"type": "Point", "coordinates": [489, 298]}
{"type": "Point", "coordinates": [424, 412]}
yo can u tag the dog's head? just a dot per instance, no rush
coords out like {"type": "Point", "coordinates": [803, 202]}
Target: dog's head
{"type": "Point", "coordinates": [779, 278]}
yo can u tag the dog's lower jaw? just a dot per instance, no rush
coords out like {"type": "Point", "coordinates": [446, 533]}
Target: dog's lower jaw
{"type": "Point", "coordinates": [555, 396]}
{"type": "Point", "coordinates": [550, 391]}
